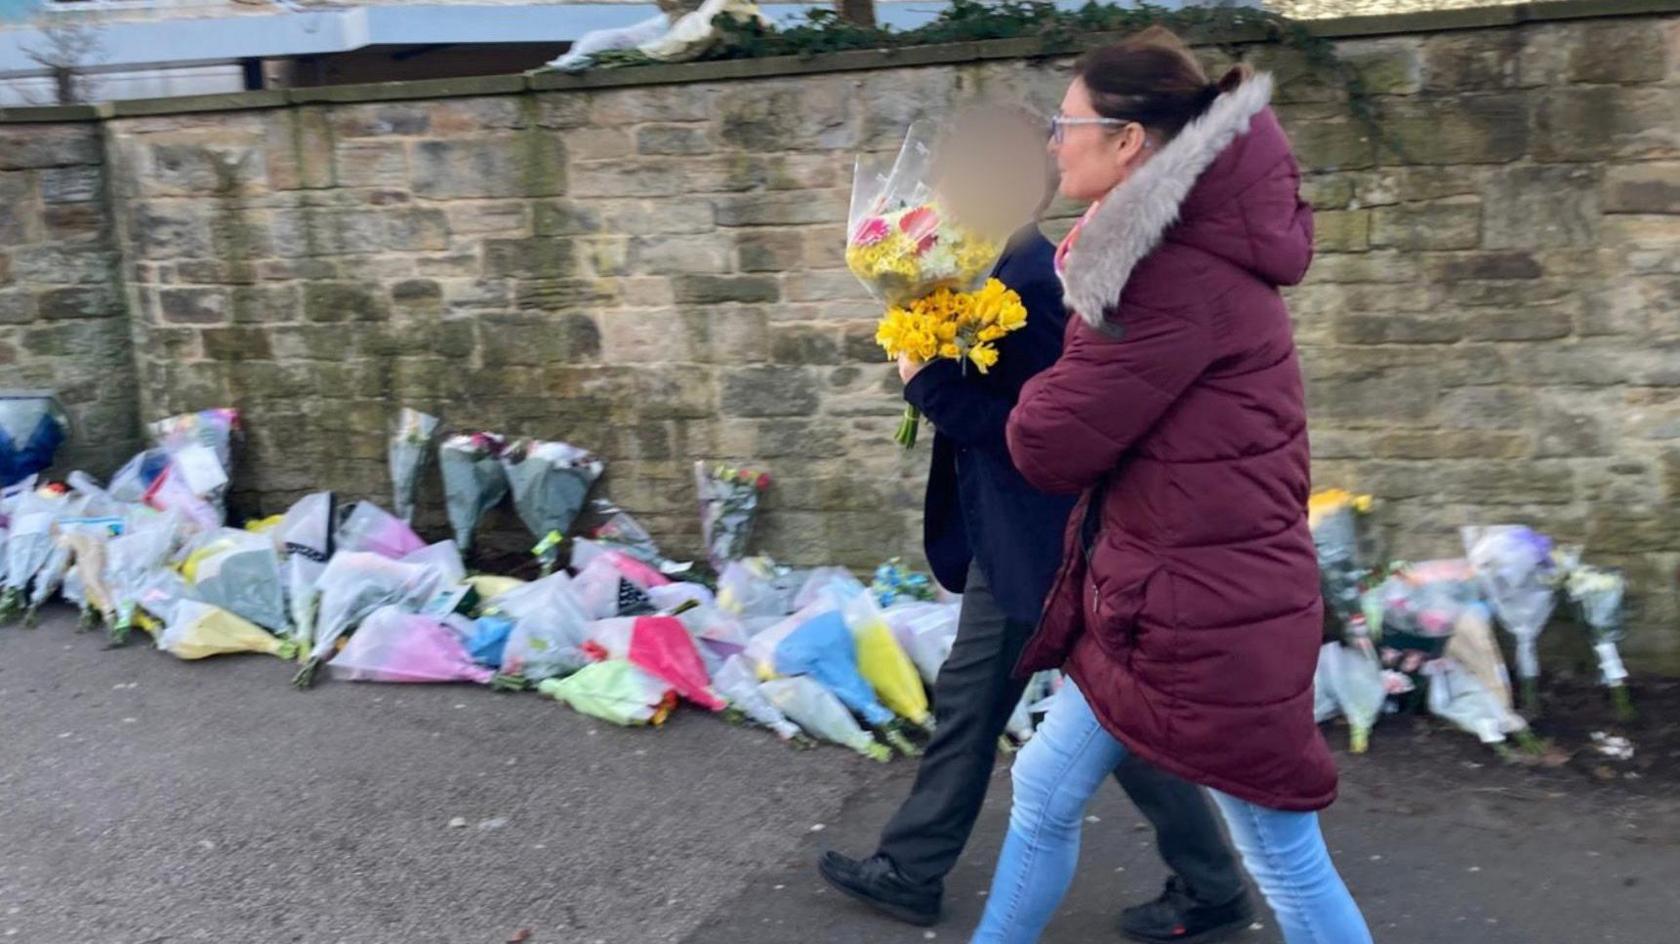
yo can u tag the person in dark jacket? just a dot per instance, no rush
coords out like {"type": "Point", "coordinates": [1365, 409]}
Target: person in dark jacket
{"type": "Point", "coordinates": [1187, 613]}
{"type": "Point", "coordinates": [996, 539]}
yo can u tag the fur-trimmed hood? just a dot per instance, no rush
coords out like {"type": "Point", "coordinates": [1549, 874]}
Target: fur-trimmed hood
{"type": "Point", "coordinates": [1227, 185]}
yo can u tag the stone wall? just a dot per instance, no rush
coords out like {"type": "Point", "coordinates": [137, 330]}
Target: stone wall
{"type": "Point", "coordinates": [1491, 331]}
{"type": "Point", "coordinates": [63, 323]}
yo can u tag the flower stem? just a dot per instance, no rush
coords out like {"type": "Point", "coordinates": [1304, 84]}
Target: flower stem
{"type": "Point", "coordinates": [1529, 694]}
{"type": "Point", "coordinates": [502, 682]}
{"type": "Point", "coordinates": [1622, 702]}
{"type": "Point", "coordinates": [907, 427]}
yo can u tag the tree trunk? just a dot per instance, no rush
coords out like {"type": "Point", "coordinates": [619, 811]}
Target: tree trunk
{"type": "Point", "coordinates": [857, 12]}
{"type": "Point", "coordinates": [65, 86]}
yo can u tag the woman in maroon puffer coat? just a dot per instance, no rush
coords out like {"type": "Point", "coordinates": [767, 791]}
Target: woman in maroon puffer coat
{"type": "Point", "coordinates": [1187, 614]}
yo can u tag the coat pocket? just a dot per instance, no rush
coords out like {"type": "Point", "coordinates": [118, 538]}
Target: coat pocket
{"type": "Point", "coordinates": [1114, 604]}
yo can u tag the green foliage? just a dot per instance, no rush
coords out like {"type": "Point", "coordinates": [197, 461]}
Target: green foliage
{"type": "Point", "coordinates": [1059, 31]}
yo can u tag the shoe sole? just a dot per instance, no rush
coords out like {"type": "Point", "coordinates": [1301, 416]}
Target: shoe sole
{"type": "Point", "coordinates": [896, 912]}
{"type": "Point", "coordinates": [1224, 932]}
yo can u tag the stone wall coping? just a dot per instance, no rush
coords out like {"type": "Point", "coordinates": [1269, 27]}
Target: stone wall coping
{"type": "Point", "coordinates": [848, 61]}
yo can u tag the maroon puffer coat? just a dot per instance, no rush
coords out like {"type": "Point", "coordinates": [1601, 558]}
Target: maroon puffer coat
{"type": "Point", "coordinates": [1192, 622]}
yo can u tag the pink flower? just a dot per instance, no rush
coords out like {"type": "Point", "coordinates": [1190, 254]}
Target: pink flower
{"type": "Point", "coordinates": [920, 223]}
{"type": "Point", "coordinates": [871, 231]}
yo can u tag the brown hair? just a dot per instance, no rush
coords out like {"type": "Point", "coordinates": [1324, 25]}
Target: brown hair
{"type": "Point", "coordinates": [1153, 79]}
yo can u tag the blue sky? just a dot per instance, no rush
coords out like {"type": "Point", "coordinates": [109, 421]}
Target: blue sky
{"type": "Point", "coordinates": [17, 9]}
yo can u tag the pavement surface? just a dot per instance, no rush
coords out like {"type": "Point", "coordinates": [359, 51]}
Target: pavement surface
{"type": "Point", "coordinates": [149, 801]}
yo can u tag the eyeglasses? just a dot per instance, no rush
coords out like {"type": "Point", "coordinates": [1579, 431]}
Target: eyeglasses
{"type": "Point", "coordinates": [1059, 124]}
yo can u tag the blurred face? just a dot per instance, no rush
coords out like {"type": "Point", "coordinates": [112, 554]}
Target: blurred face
{"type": "Point", "coordinates": [1093, 153]}
{"type": "Point", "coordinates": [992, 173]}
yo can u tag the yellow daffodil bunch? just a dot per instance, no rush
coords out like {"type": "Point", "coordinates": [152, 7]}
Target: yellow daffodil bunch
{"type": "Point", "coordinates": [959, 326]}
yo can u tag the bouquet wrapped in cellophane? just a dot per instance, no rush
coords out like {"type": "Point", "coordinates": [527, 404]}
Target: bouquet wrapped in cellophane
{"type": "Point", "coordinates": [1597, 593]}
{"type": "Point", "coordinates": [1334, 516]}
{"type": "Point", "coordinates": [407, 455]}
{"type": "Point", "coordinates": [729, 500]}
{"type": "Point", "coordinates": [549, 481]}
{"type": "Point", "coordinates": [473, 481]}
{"type": "Point", "coordinates": [925, 255]}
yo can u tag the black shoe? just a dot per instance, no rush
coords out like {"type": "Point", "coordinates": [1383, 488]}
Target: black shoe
{"type": "Point", "coordinates": [1178, 918]}
{"type": "Point", "coordinates": [875, 882]}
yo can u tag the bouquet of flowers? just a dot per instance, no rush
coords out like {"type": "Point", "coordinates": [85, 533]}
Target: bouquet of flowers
{"type": "Point", "coordinates": [372, 528]}
{"type": "Point", "coordinates": [749, 590]}
{"type": "Point", "coordinates": [394, 645]}
{"type": "Point", "coordinates": [614, 691]}
{"type": "Point", "coordinates": [353, 585]}
{"type": "Point", "coordinates": [29, 546]}
{"type": "Point", "coordinates": [473, 481]}
{"type": "Point", "coordinates": [927, 631]}
{"type": "Point", "coordinates": [915, 252]}
{"type": "Point", "coordinates": [200, 630]}
{"type": "Point", "coordinates": [1597, 594]}
{"type": "Point", "coordinates": [816, 642]}
{"type": "Point", "coordinates": [661, 647]}
{"type": "Point", "coordinates": [408, 457]}
{"type": "Point", "coordinates": [239, 572]}
{"type": "Point", "coordinates": [550, 628]}
{"type": "Point", "coordinates": [550, 481]}
{"type": "Point", "coordinates": [1334, 516]}
{"type": "Point", "coordinates": [1515, 567]}
{"type": "Point", "coordinates": [89, 507]}
{"type": "Point", "coordinates": [729, 499]}
{"type": "Point", "coordinates": [1414, 613]}
{"type": "Point", "coordinates": [85, 581]}
{"type": "Point", "coordinates": [148, 540]}
{"type": "Point", "coordinates": [895, 583]}
{"type": "Point", "coordinates": [1356, 678]}
{"type": "Point", "coordinates": [884, 663]}
{"type": "Point", "coordinates": [620, 529]}
{"type": "Point", "coordinates": [210, 430]}
{"type": "Point", "coordinates": [812, 707]}
{"type": "Point", "coordinates": [32, 427]}
{"type": "Point", "coordinates": [1456, 695]}
{"type": "Point", "coordinates": [305, 535]}
{"type": "Point", "coordinates": [738, 685]}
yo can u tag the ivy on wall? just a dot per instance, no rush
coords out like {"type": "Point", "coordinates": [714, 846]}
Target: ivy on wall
{"type": "Point", "coordinates": [1058, 30]}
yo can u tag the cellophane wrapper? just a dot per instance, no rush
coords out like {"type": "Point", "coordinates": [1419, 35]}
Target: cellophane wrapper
{"type": "Point", "coordinates": [729, 500]}
{"type": "Point", "coordinates": [1514, 566]}
{"type": "Point", "coordinates": [550, 627]}
{"type": "Point", "coordinates": [407, 454]}
{"type": "Point", "coordinates": [902, 243]}
{"type": "Point", "coordinates": [305, 536]}
{"type": "Point", "coordinates": [394, 645]}
{"type": "Point", "coordinates": [473, 481]}
{"type": "Point", "coordinates": [354, 584]}
{"type": "Point", "coordinates": [549, 481]}
{"type": "Point", "coordinates": [212, 429]}
{"type": "Point", "coordinates": [1334, 517]}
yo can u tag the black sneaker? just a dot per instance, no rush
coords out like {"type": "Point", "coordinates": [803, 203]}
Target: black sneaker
{"type": "Point", "coordinates": [875, 882]}
{"type": "Point", "coordinates": [1178, 918]}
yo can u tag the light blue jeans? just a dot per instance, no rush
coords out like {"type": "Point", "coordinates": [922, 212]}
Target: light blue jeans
{"type": "Point", "coordinates": [1056, 775]}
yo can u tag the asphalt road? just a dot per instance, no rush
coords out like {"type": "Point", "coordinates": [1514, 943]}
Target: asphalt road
{"type": "Point", "coordinates": [149, 801]}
